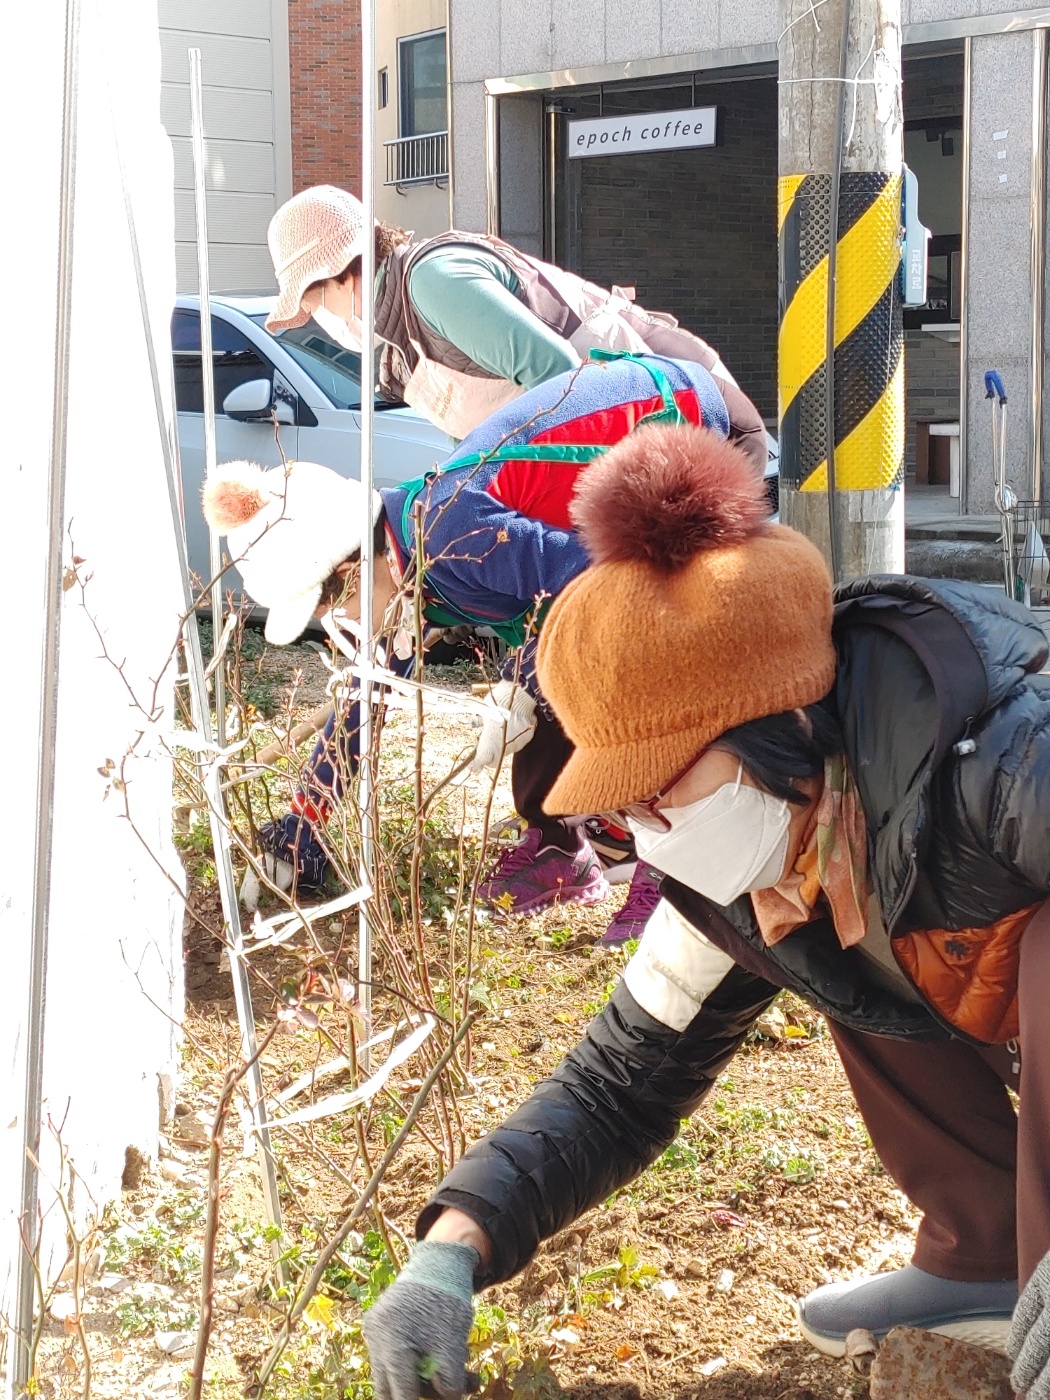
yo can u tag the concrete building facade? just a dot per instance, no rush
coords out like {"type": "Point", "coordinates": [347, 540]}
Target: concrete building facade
{"type": "Point", "coordinates": [248, 123]}
{"type": "Point", "coordinates": [694, 229]}
{"type": "Point", "coordinates": [412, 147]}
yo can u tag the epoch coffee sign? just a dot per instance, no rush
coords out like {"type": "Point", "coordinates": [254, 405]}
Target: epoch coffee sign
{"type": "Point", "coordinates": [651, 131]}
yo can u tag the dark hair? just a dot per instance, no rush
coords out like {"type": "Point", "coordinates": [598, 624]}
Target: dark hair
{"type": "Point", "coordinates": [388, 237]}
{"type": "Point", "coordinates": [334, 585]}
{"type": "Point", "coordinates": [778, 750]}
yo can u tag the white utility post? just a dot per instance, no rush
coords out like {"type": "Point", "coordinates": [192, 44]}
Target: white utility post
{"type": "Point", "coordinates": [18, 1371]}
{"type": "Point", "coordinates": [841, 352]}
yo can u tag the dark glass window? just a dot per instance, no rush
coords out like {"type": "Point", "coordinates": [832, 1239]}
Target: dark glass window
{"type": "Point", "coordinates": [235, 358]}
{"type": "Point", "coordinates": [422, 84]}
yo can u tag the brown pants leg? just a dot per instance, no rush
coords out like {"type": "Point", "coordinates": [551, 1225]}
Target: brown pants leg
{"type": "Point", "coordinates": [1033, 1120]}
{"type": "Point", "coordinates": [943, 1125]}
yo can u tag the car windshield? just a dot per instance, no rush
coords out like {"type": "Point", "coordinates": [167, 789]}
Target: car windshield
{"type": "Point", "coordinates": [334, 370]}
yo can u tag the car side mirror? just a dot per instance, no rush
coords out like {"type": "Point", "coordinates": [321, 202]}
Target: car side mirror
{"type": "Point", "coordinates": [253, 401]}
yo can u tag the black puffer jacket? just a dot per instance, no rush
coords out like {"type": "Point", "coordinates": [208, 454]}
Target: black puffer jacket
{"type": "Point", "coordinates": [947, 733]}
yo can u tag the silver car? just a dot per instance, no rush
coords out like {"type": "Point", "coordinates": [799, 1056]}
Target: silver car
{"type": "Point", "coordinates": [312, 385]}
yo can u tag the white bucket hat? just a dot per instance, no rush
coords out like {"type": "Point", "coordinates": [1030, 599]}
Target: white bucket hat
{"type": "Point", "coordinates": [316, 235]}
{"type": "Point", "coordinates": [286, 530]}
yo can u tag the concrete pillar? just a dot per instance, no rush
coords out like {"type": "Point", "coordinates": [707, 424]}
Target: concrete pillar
{"type": "Point", "coordinates": [521, 171]}
{"type": "Point", "coordinates": [999, 302]}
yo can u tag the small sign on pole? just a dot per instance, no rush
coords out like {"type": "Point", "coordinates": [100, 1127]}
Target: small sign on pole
{"type": "Point", "coordinates": [646, 131]}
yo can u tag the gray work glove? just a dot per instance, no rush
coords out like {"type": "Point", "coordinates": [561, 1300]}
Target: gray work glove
{"type": "Point", "coordinates": [418, 1330]}
{"type": "Point", "coordinates": [1028, 1345]}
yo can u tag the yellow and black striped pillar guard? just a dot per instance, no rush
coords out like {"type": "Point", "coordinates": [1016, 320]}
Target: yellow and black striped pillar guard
{"type": "Point", "coordinates": [869, 336]}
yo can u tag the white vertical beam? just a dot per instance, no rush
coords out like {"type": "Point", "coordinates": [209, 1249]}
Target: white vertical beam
{"type": "Point", "coordinates": [19, 1364]}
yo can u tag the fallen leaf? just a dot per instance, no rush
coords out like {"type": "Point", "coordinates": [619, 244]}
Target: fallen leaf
{"type": "Point", "coordinates": [728, 1220]}
{"type": "Point", "coordinates": [566, 1336]}
{"type": "Point", "coordinates": [320, 1311]}
{"type": "Point", "coordinates": [534, 1380]}
{"type": "Point", "coordinates": [625, 1351]}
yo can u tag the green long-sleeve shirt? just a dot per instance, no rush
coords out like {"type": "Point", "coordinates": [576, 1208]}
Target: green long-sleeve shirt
{"type": "Point", "coordinates": [469, 296]}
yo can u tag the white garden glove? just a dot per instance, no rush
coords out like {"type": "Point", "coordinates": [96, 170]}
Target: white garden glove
{"type": "Point", "coordinates": [501, 736]}
{"type": "Point", "coordinates": [279, 872]}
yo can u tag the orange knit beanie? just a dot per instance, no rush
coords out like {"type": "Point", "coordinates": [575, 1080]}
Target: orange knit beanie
{"type": "Point", "coordinates": [697, 615]}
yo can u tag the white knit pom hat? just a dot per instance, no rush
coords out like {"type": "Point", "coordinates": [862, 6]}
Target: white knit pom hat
{"type": "Point", "coordinates": [286, 530]}
{"type": "Point", "coordinates": [316, 235]}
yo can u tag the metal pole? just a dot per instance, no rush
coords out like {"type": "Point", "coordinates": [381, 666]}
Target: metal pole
{"type": "Point", "coordinates": [964, 283]}
{"type": "Point", "coordinates": [200, 200]}
{"type": "Point", "coordinates": [366, 774]}
{"type": "Point", "coordinates": [552, 183]}
{"type": "Point", "coordinates": [492, 211]}
{"type": "Point", "coordinates": [198, 685]}
{"type": "Point", "coordinates": [19, 1368]}
{"type": "Point", "coordinates": [842, 414]}
{"type": "Point", "coordinates": [1038, 337]}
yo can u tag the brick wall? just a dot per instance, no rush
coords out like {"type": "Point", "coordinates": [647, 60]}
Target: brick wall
{"type": "Point", "coordinates": [325, 70]}
{"type": "Point", "coordinates": [695, 231]}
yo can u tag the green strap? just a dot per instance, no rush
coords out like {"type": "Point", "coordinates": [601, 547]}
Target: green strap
{"type": "Point", "coordinates": [526, 452]}
{"type": "Point", "coordinates": [670, 413]}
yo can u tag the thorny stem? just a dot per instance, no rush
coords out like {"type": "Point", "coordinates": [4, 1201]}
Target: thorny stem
{"type": "Point", "coordinates": [211, 1220]}
{"type": "Point", "coordinates": [317, 1274]}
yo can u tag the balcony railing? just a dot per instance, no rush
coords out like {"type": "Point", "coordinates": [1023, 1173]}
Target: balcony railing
{"type": "Point", "coordinates": [417, 160]}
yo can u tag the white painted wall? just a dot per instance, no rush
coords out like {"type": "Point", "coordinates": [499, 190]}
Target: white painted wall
{"type": "Point", "coordinates": [114, 906]}
{"type": "Point", "coordinates": [247, 123]}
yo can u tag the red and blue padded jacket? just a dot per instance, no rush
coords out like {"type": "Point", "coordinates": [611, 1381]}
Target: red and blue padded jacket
{"type": "Point", "coordinates": [497, 534]}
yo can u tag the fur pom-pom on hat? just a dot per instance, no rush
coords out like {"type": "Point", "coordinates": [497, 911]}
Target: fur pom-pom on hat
{"type": "Point", "coordinates": [234, 495]}
{"type": "Point", "coordinates": [664, 493]}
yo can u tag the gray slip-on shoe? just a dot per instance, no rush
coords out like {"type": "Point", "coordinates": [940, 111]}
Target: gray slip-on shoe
{"type": "Point", "coordinates": [973, 1312]}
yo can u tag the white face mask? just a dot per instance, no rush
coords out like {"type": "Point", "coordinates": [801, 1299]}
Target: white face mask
{"type": "Point", "coordinates": [722, 846]}
{"type": "Point", "coordinates": [344, 333]}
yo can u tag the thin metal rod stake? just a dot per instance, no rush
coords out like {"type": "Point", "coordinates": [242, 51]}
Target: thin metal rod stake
{"type": "Point", "coordinates": [19, 1368]}
{"type": "Point", "coordinates": [366, 760]}
{"type": "Point", "coordinates": [200, 200]}
{"type": "Point", "coordinates": [217, 813]}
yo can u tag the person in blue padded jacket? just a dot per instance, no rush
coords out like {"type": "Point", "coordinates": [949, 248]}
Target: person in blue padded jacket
{"type": "Point", "coordinates": [498, 547]}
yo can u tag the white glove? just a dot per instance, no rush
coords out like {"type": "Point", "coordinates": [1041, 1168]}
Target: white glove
{"type": "Point", "coordinates": [501, 736]}
{"type": "Point", "coordinates": [279, 872]}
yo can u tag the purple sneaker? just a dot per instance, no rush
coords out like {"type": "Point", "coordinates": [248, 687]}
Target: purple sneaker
{"type": "Point", "coordinates": [529, 876]}
{"type": "Point", "coordinates": [642, 899]}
